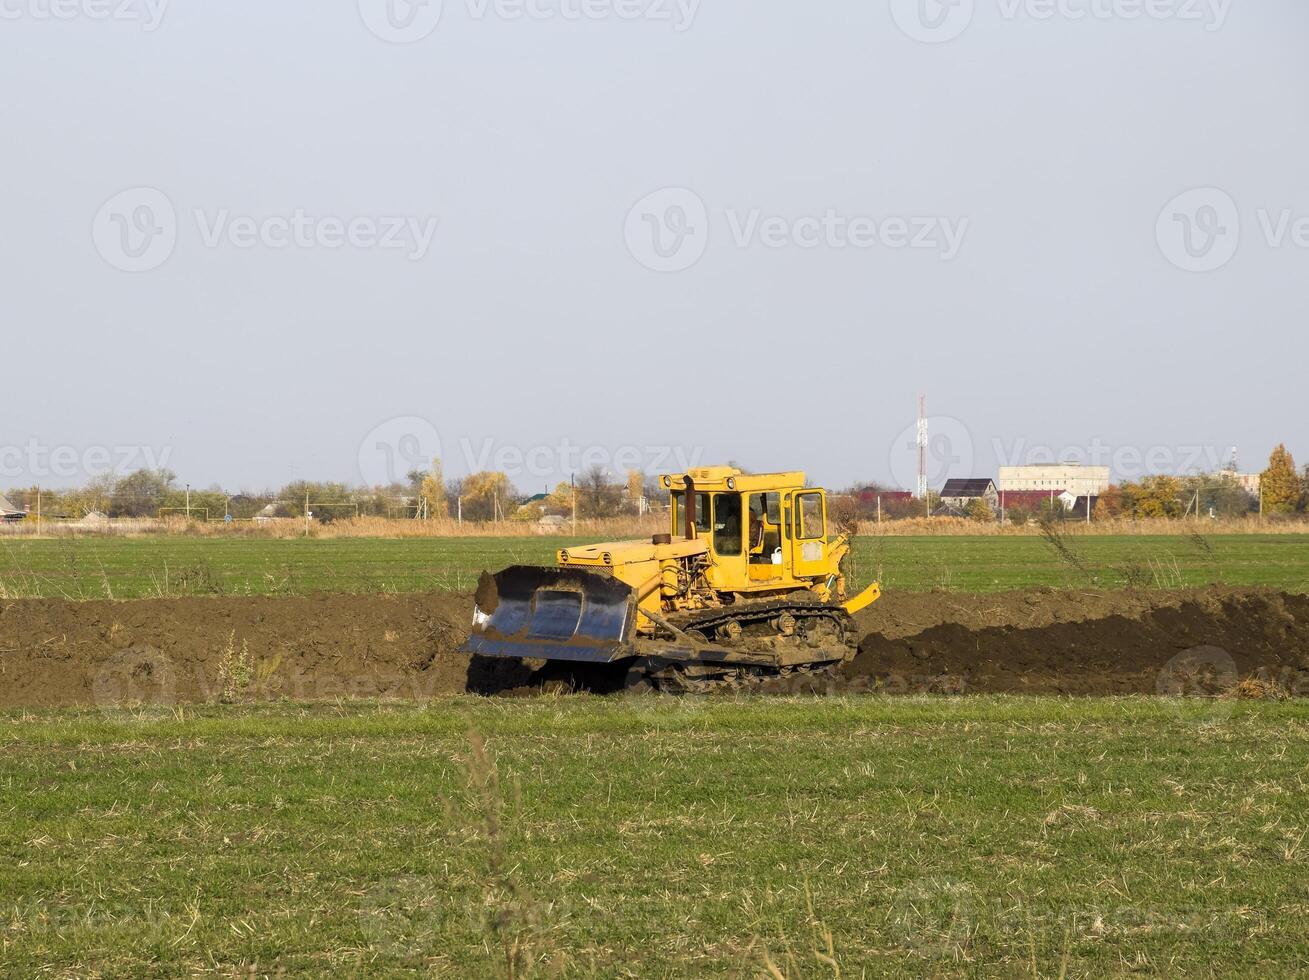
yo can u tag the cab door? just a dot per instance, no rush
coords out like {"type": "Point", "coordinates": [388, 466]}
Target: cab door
{"type": "Point", "coordinates": [809, 534]}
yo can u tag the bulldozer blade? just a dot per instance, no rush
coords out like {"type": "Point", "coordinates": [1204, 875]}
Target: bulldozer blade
{"type": "Point", "coordinates": [552, 614]}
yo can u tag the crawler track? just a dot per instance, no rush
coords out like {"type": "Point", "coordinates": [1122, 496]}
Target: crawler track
{"type": "Point", "coordinates": [748, 646]}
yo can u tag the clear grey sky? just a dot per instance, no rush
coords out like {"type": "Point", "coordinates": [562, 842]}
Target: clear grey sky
{"type": "Point", "coordinates": [745, 229]}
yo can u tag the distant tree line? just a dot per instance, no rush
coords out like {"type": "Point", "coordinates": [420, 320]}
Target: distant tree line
{"type": "Point", "coordinates": [423, 495]}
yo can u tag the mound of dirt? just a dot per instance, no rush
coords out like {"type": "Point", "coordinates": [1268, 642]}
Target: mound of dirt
{"type": "Point", "coordinates": [164, 652]}
{"type": "Point", "coordinates": [1194, 641]}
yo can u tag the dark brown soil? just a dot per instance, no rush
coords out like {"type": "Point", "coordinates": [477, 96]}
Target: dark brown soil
{"type": "Point", "coordinates": [1084, 642]}
{"type": "Point", "coordinates": [160, 651]}
{"type": "Point", "coordinates": [172, 651]}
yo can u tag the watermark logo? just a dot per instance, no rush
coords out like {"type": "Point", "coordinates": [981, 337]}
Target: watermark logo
{"type": "Point", "coordinates": [135, 683]}
{"type": "Point", "coordinates": [1199, 230]}
{"type": "Point", "coordinates": [1122, 462]}
{"type": "Point", "coordinates": [407, 21]}
{"type": "Point", "coordinates": [38, 461]}
{"type": "Point", "coordinates": [934, 918]}
{"type": "Point", "coordinates": [401, 21]}
{"type": "Point", "coordinates": [401, 917]}
{"type": "Point", "coordinates": [396, 448]}
{"type": "Point", "coordinates": [564, 457]}
{"type": "Point", "coordinates": [938, 21]}
{"type": "Point", "coordinates": [1202, 675]}
{"type": "Point", "coordinates": [668, 229]}
{"type": "Point", "coordinates": [932, 21]}
{"type": "Point", "coordinates": [136, 229]}
{"type": "Point", "coordinates": [148, 13]}
{"type": "Point", "coordinates": [949, 452]}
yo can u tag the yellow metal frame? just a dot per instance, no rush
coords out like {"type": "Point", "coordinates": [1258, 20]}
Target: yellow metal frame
{"type": "Point", "coordinates": [657, 570]}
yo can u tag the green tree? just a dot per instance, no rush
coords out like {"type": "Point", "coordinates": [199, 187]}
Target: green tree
{"type": "Point", "coordinates": [1280, 485]}
{"type": "Point", "coordinates": [140, 494]}
{"type": "Point", "coordinates": [979, 510]}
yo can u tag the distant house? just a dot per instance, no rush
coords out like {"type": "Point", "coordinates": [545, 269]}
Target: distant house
{"type": "Point", "coordinates": [269, 513]}
{"type": "Point", "coordinates": [1034, 500]}
{"type": "Point", "coordinates": [551, 524]}
{"type": "Point", "coordinates": [956, 495]}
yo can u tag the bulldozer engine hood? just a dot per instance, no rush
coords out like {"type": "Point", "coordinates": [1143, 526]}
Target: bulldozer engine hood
{"type": "Point", "coordinates": [554, 614]}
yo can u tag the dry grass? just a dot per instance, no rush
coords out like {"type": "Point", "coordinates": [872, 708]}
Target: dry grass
{"type": "Point", "coordinates": [961, 526]}
{"type": "Point", "coordinates": [612, 529]}
{"type": "Point", "coordinates": [357, 527]}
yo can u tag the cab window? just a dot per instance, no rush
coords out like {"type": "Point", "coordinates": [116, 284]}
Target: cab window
{"type": "Point", "coordinates": [764, 526]}
{"type": "Point", "coordinates": [727, 523]}
{"type": "Point", "coordinates": [809, 517]}
{"type": "Point", "coordinates": [703, 518]}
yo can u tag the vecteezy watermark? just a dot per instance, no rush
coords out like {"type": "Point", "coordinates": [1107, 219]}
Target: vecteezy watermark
{"type": "Point", "coordinates": [37, 461]}
{"type": "Point", "coordinates": [136, 683]}
{"type": "Point", "coordinates": [401, 446]}
{"type": "Point", "coordinates": [1124, 462]}
{"type": "Point", "coordinates": [396, 448]}
{"type": "Point", "coordinates": [402, 916]}
{"type": "Point", "coordinates": [564, 457]}
{"type": "Point", "coordinates": [933, 918]}
{"type": "Point", "coordinates": [1200, 676]}
{"type": "Point", "coordinates": [1200, 230]}
{"type": "Point", "coordinates": [137, 230]}
{"type": "Point", "coordinates": [938, 21]}
{"type": "Point", "coordinates": [401, 21]}
{"type": "Point", "coordinates": [409, 21]}
{"type": "Point", "coordinates": [148, 13]}
{"type": "Point", "coordinates": [669, 230]}
{"type": "Point", "coordinates": [948, 451]}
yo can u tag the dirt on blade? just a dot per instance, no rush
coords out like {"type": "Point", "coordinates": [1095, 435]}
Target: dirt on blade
{"type": "Point", "coordinates": [172, 651]}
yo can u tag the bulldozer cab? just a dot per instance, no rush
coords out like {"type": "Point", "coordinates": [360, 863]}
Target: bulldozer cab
{"type": "Point", "coordinates": [762, 531]}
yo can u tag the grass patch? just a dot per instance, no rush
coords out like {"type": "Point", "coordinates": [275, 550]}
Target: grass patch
{"type": "Point", "coordinates": [649, 837]}
{"type": "Point", "coordinates": [96, 568]}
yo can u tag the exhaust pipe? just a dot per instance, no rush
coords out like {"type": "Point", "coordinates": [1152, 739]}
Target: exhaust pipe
{"type": "Point", "coordinates": [690, 509]}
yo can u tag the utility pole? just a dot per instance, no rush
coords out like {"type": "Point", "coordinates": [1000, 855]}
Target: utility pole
{"type": "Point", "coordinates": [188, 501]}
{"type": "Point", "coordinates": [573, 481]}
{"type": "Point", "coordinates": [879, 508]}
{"type": "Point", "coordinates": [38, 510]}
{"type": "Point", "coordinates": [306, 513]}
{"type": "Point", "coordinates": [459, 502]}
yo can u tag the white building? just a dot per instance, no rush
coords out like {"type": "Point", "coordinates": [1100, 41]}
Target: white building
{"type": "Point", "coordinates": [1078, 480]}
{"type": "Point", "coordinates": [1249, 482]}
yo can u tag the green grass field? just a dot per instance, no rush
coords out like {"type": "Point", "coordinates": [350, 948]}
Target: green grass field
{"type": "Point", "coordinates": [136, 567]}
{"type": "Point", "coordinates": [646, 837]}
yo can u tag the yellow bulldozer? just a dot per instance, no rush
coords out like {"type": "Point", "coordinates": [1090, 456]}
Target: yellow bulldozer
{"type": "Point", "coordinates": [746, 585]}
